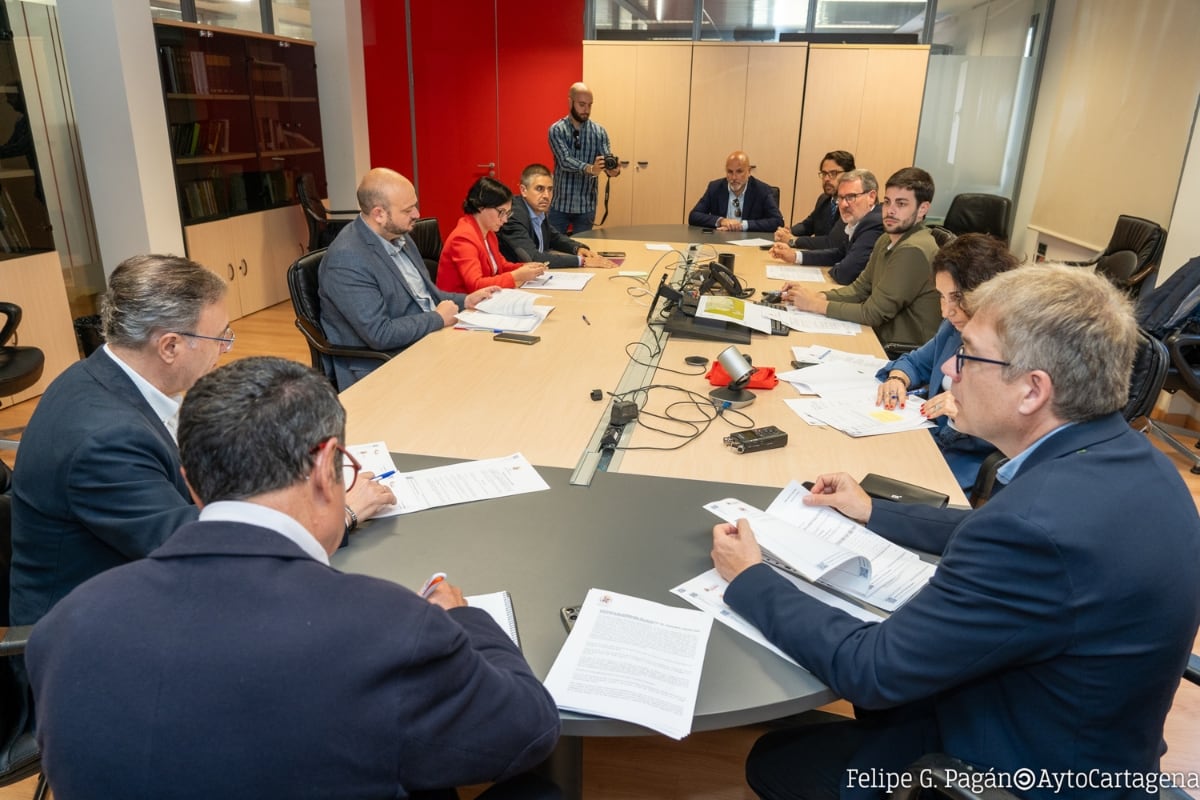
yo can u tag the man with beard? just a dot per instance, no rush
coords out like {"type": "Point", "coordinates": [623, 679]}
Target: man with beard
{"type": "Point", "coordinates": [895, 293]}
{"type": "Point", "coordinates": [813, 231]}
{"type": "Point", "coordinates": [737, 202]}
{"type": "Point", "coordinates": [579, 146]}
{"type": "Point", "coordinates": [528, 234]}
{"type": "Point", "coordinates": [375, 291]}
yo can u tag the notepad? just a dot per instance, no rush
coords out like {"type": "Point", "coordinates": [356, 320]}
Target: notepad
{"type": "Point", "coordinates": [499, 606]}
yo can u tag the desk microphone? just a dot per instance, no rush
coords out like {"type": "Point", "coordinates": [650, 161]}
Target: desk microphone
{"type": "Point", "coordinates": [740, 371]}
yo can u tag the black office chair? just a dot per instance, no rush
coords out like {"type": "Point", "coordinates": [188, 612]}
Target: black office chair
{"type": "Point", "coordinates": [302, 277]}
{"type": "Point", "coordinates": [979, 213]}
{"type": "Point", "coordinates": [1132, 254]}
{"type": "Point", "coordinates": [428, 238]}
{"type": "Point", "coordinates": [20, 367]}
{"type": "Point", "coordinates": [774, 193]}
{"type": "Point", "coordinates": [323, 223]}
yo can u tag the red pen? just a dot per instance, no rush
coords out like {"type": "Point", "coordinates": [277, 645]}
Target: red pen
{"type": "Point", "coordinates": [432, 583]}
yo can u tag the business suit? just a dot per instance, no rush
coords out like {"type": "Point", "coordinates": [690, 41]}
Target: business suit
{"type": "Point", "coordinates": [517, 237]}
{"type": "Point", "coordinates": [1054, 632]}
{"type": "Point", "coordinates": [232, 664]}
{"type": "Point", "coordinates": [471, 260]}
{"type": "Point", "coordinates": [847, 256]}
{"type": "Point", "coordinates": [760, 212]}
{"type": "Point", "coordinates": [365, 301]}
{"type": "Point", "coordinates": [821, 220]}
{"type": "Point", "coordinates": [97, 485]}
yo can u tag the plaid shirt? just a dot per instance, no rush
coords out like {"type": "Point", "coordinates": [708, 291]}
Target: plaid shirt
{"type": "Point", "coordinates": [575, 190]}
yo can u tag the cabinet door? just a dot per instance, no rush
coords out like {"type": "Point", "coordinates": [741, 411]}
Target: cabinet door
{"type": "Point", "coordinates": [213, 245]}
{"type": "Point", "coordinates": [774, 97]}
{"type": "Point", "coordinates": [610, 71]}
{"type": "Point", "coordinates": [717, 121]}
{"type": "Point", "coordinates": [891, 112]}
{"type": "Point", "coordinates": [269, 243]}
{"type": "Point", "coordinates": [660, 133]}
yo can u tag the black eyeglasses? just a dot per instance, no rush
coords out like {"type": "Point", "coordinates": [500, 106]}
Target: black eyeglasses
{"type": "Point", "coordinates": [350, 465]}
{"type": "Point", "coordinates": [961, 356]}
{"type": "Point", "coordinates": [831, 174]}
{"type": "Point", "coordinates": [226, 339]}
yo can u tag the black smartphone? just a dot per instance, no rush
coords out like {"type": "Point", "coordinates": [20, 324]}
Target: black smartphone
{"type": "Point", "coordinates": [708, 230]}
{"type": "Point", "coordinates": [613, 253]}
{"type": "Point", "coordinates": [569, 615]}
{"type": "Point", "coordinates": [516, 338]}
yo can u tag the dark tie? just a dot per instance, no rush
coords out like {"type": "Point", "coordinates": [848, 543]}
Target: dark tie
{"type": "Point", "coordinates": [833, 211]}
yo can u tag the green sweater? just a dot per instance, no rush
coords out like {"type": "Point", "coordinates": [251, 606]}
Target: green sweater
{"type": "Point", "coordinates": [894, 294]}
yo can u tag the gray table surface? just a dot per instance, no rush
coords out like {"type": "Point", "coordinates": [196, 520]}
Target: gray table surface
{"type": "Point", "coordinates": [631, 534]}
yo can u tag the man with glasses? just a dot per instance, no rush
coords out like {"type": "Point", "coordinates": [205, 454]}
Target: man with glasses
{"type": "Point", "coordinates": [813, 230]}
{"type": "Point", "coordinates": [375, 291]}
{"type": "Point", "coordinates": [737, 202]}
{"type": "Point", "coordinates": [97, 481]}
{"type": "Point", "coordinates": [579, 146]}
{"type": "Point", "coordinates": [850, 245]}
{"type": "Point", "coordinates": [1055, 630]}
{"type": "Point", "coordinates": [527, 235]}
{"type": "Point", "coordinates": [894, 294]}
{"type": "Point", "coordinates": [235, 662]}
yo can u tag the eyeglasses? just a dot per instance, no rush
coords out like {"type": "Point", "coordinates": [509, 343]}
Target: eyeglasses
{"type": "Point", "coordinates": [850, 198]}
{"type": "Point", "coordinates": [961, 356]}
{"type": "Point", "coordinates": [350, 465]}
{"type": "Point", "coordinates": [226, 338]}
{"type": "Point", "coordinates": [504, 213]}
{"type": "Point", "coordinates": [833, 173]}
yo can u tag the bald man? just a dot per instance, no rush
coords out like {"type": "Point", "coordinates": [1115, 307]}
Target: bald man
{"type": "Point", "coordinates": [579, 146]}
{"type": "Point", "coordinates": [375, 290]}
{"type": "Point", "coordinates": [737, 202]}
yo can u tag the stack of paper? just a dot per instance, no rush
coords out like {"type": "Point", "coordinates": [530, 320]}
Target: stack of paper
{"type": "Point", "coordinates": [781, 272]}
{"type": "Point", "coordinates": [560, 281]}
{"type": "Point", "coordinates": [739, 312]}
{"type": "Point", "coordinates": [506, 310]}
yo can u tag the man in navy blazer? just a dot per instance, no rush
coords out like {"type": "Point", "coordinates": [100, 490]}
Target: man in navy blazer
{"type": "Point", "coordinates": [97, 484]}
{"type": "Point", "coordinates": [374, 288]}
{"type": "Point", "coordinates": [528, 234]}
{"type": "Point", "coordinates": [849, 245]}
{"type": "Point", "coordinates": [737, 202]}
{"type": "Point", "coordinates": [235, 662]}
{"type": "Point", "coordinates": [1048, 645]}
{"type": "Point", "coordinates": [816, 230]}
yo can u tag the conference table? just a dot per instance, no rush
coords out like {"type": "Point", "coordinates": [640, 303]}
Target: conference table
{"type": "Point", "coordinates": [635, 525]}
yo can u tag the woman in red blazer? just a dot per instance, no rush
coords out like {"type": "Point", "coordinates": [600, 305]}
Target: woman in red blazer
{"type": "Point", "coordinates": [471, 254]}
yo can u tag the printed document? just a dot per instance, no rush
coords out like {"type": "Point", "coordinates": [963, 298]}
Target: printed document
{"type": "Point", "coordinates": [855, 414]}
{"type": "Point", "coordinates": [808, 322]}
{"type": "Point", "coordinates": [782, 272]}
{"type": "Point", "coordinates": [756, 242]}
{"type": "Point", "coordinates": [514, 302]}
{"type": "Point", "coordinates": [634, 660]}
{"type": "Point", "coordinates": [476, 320]}
{"type": "Point", "coordinates": [732, 309]}
{"type": "Point", "coordinates": [824, 547]}
{"type": "Point", "coordinates": [450, 485]}
{"type": "Point", "coordinates": [560, 281]}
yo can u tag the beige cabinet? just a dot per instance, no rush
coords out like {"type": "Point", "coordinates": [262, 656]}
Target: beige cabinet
{"type": "Point", "coordinates": [865, 99]}
{"type": "Point", "coordinates": [641, 99]}
{"type": "Point", "coordinates": [745, 97]}
{"type": "Point", "coordinates": [35, 283]}
{"type": "Point", "coordinates": [251, 253]}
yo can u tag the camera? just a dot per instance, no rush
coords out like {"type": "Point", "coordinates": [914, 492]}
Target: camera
{"type": "Point", "coordinates": [611, 162]}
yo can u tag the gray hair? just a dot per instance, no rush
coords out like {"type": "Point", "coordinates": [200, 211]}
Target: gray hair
{"type": "Point", "coordinates": [1071, 323]}
{"type": "Point", "coordinates": [869, 184]}
{"type": "Point", "coordinates": [250, 427]}
{"type": "Point", "coordinates": [151, 294]}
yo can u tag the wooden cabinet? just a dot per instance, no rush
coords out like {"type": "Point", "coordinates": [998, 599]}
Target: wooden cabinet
{"type": "Point", "coordinates": [865, 99]}
{"type": "Point", "coordinates": [744, 97]}
{"type": "Point", "coordinates": [642, 101]}
{"type": "Point", "coordinates": [251, 253]}
{"type": "Point", "coordinates": [35, 283]}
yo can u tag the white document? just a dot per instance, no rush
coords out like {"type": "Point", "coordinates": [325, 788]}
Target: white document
{"type": "Point", "coordinates": [857, 415]}
{"type": "Point", "coordinates": [808, 322]}
{"type": "Point", "coordinates": [759, 242]}
{"type": "Point", "coordinates": [452, 484]}
{"type": "Point", "coordinates": [475, 320]}
{"type": "Point", "coordinates": [634, 660]}
{"type": "Point", "coordinates": [735, 310]}
{"type": "Point", "coordinates": [788, 527]}
{"type": "Point", "coordinates": [499, 606]}
{"type": "Point", "coordinates": [783, 272]}
{"type": "Point", "coordinates": [707, 593]}
{"type": "Point", "coordinates": [818, 354]}
{"type": "Point", "coordinates": [832, 377]}
{"type": "Point", "coordinates": [658, 246]}
{"type": "Point", "coordinates": [510, 302]}
{"type": "Point", "coordinates": [560, 281]}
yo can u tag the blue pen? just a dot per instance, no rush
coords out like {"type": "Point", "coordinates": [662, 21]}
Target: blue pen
{"type": "Point", "coordinates": [387, 474]}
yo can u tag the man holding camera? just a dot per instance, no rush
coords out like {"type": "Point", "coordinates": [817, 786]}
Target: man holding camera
{"type": "Point", "coordinates": [737, 202]}
{"type": "Point", "coordinates": [581, 153]}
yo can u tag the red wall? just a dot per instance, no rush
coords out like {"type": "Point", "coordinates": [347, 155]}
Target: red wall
{"type": "Point", "coordinates": [540, 53]}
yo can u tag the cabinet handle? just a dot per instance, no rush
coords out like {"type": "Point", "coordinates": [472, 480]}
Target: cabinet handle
{"type": "Point", "coordinates": [230, 265]}
{"type": "Point", "coordinates": [245, 269]}
{"type": "Point", "coordinates": [643, 164]}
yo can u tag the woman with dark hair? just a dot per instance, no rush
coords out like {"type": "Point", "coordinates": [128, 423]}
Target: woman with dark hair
{"type": "Point", "coordinates": [958, 268]}
{"type": "Point", "coordinates": [471, 254]}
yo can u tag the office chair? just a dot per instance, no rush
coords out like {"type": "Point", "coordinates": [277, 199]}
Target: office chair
{"type": "Point", "coordinates": [322, 227]}
{"type": "Point", "coordinates": [306, 302]}
{"type": "Point", "coordinates": [1132, 253]}
{"type": "Point", "coordinates": [979, 213]}
{"type": "Point", "coordinates": [774, 193]}
{"type": "Point", "coordinates": [20, 367]}
{"type": "Point", "coordinates": [428, 238]}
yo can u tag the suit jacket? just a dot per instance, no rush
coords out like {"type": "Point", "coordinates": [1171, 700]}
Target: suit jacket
{"type": "Point", "coordinates": [759, 209]}
{"type": "Point", "coordinates": [97, 485]}
{"type": "Point", "coordinates": [465, 266]}
{"type": "Point", "coordinates": [231, 664]}
{"type": "Point", "coordinates": [518, 235]}
{"type": "Point", "coordinates": [1053, 634]}
{"type": "Point", "coordinates": [847, 256]}
{"type": "Point", "coordinates": [821, 220]}
{"type": "Point", "coordinates": [365, 301]}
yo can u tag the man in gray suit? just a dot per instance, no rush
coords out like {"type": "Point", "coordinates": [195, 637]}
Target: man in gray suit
{"type": "Point", "coordinates": [375, 291]}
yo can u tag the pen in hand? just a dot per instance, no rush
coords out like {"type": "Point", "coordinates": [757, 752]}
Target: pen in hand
{"type": "Point", "coordinates": [383, 475]}
{"type": "Point", "coordinates": [432, 583]}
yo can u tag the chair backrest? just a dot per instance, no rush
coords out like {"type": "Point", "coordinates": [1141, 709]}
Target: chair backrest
{"type": "Point", "coordinates": [979, 213]}
{"type": "Point", "coordinates": [20, 367]}
{"type": "Point", "coordinates": [1118, 266]}
{"type": "Point", "coordinates": [427, 236]}
{"type": "Point", "coordinates": [774, 193]}
{"type": "Point", "coordinates": [1150, 366]}
{"type": "Point", "coordinates": [306, 302]}
{"type": "Point", "coordinates": [1141, 237]}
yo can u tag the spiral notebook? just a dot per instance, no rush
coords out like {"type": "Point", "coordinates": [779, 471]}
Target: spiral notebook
{"type": "Point", "coordinates": [499, 605]}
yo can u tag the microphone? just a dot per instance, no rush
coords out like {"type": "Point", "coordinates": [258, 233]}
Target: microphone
{"type": "Point", "coordinates": [740, 371]}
